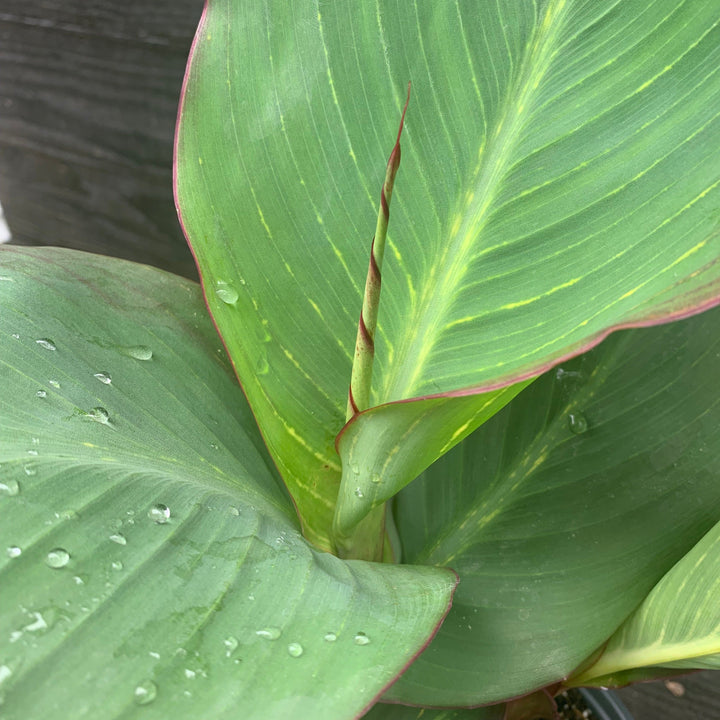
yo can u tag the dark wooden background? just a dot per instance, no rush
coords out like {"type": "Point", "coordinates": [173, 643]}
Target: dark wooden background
{"type": "Point", "coordinates": [88, 97]}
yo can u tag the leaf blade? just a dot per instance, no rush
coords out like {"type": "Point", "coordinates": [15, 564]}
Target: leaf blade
{"type": "Point", "coordinates": [560, 525]}
{"type": "Point", "coordinates": [557, 184]}
{"type": "Point", "coordinates": [158, 552]}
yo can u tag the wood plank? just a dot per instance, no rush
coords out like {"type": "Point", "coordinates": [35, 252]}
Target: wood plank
{"type": "Point", "coordinates": [88, 98]}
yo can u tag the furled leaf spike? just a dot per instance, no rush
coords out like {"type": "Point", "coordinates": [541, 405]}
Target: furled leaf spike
{"type": "Point", "coordinates": [361, 378]}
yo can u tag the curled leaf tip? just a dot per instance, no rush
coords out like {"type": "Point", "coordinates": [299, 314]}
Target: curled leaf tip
{"type": "Point", "coordinates": [359, 392]}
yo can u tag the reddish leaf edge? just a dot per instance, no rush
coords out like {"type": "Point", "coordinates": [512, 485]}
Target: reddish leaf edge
{"type": "Point", "coordinates": [414, 657]}
{"type": "Point", "coordinates": [644, 321]}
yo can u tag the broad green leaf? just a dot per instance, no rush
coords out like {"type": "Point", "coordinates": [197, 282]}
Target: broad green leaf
{"type": "Point", "coordinates": [152, 566]}
{"type": "Point", "coordinates": [560, 178]}
{"type": "Point", "coordinates": [563, 511]}
{"type": "Point", "coordinates": [677, 625]}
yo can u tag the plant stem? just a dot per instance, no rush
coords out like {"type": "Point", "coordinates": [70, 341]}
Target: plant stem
{"type": "Point", "coordinates": [361, 378]}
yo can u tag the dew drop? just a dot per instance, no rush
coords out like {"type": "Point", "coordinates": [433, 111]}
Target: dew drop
{"type": "Point", "coordinates": [233, 511]}
{"type": "Point", "coordinates": [5, 673]}
{"type": "Point", "coordinates": [55, 384]}
{"type": "Point", "coordinates": [103, 377]}
{"type": "Point", "coordinates": [359, 493]}
{"type": "Point", "coordinates": [35, 441]}
{"type": "Point", "coordinates": [57, 558]}
{"type": "Point", "coordinates": [139, 352]}
{"type": "Point", "coordinates": [355, 468]}
{"type": "Point", "coordinates": [577, 423]}
{"type": "Point", "coordinates": [78, 579]}
{"type": "Point", "coordinates": [190, 674]}
{"type": "Point", "coordinates": [330, 637]}
{"type": "Point", "coordinates": [376, 479]}
{"type": "Point", "coordinates": [98, 415]}
{"type": "Point", "coordinates": [361, 639]}
{"type": "Point", "coordinates": [117, 565]}
{"type": "Point", "coordinates": [159, 513]}
{"type": "Point", "coordinates": [145, 692]}
{"type": "Point", "coordinates": [269, 633]}
{"type": "Point", "coordinates": [227, 293]}
{"type": "Point", "coordinates": [32, 452]}
{"type": "Point", "coordinates": [29, 470]}
{"type": "Point", "coordinates": [14, 551]}
{"type": "Point", "coordinates": [231, 645]}
{"type": "Point", "coordinates": [46, 343]}
{"type": "Point", "coordinates": [41, 394]}
{"type": "Point", "coordinates": [295, 649]}
{"type": "Point", "coordinates": [262, 367]}
{"type": "Point", "coordinates": [118, 538]}
{"type": "Point", "coordinates": [10, 487]}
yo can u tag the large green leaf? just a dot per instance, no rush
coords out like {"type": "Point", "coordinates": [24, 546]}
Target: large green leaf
{"type": "Point", "coordinates": [563, 511]}
{"type": "Point", "coordinates": [148, 547]}
{"type": "Point", "coordinates": [678, 624]}
{"type": "Point", "coordinates": [560, 177]}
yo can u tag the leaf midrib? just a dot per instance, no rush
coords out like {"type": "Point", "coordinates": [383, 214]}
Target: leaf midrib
{"type": "Point", "coordinates": [425, 325]}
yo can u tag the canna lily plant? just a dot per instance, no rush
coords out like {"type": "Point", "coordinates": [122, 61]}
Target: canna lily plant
{"type": "Point", "coordinates": [389, 475]}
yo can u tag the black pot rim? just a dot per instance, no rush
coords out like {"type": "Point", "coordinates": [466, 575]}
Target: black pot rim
{"type": "Point", "coordinates": [605, 704]}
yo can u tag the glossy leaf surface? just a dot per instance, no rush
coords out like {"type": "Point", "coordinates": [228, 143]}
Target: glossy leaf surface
{"type": "Point", "coordinates": [563, 512]}
{"type": "Point", "coordinates": [151, 564]}
{"type": "Point", "coordinates": [559, 179]}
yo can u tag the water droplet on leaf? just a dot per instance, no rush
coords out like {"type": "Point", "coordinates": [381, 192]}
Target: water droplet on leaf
{"type": "Point", "coordinates": [29, 470]}
{"type": "Point", "coordinates": [98, 415]}
{"type": "Point", "coordinates": [295, 649]}
{"type": "Point", "coordinates": [269, 633]}
{"type": "Point", "coordinates": [14, 551]}
{"type": "Point", "coordinates": [46, 343]}
{"type": "Point", "coordinates": [375, 478]}
{"type": "Point", "coordinates": [10, 487]}
{"type": "Point", "coordinates": [262, 367]}
{"type": "Point", "coordinates": [118, 538]}
{"type": "Point", "coordinates": [41, 394]}
{"type": "Point", "coordinates": [159, 513]}
{"type": "Point", "coordinates": [145, 692]}
{"type": "Point", "coordinates": [231, 644]}
{"type": "Point", "coordinates": [359, 493]}
{"type": "Point", "coordinates": [139, 352]}
{"type": "Point", "coordinates": [55, 384]}
{"type": "Point", "coordinates": [103, 377]}
{"type": "Point", "coordinates": [577, 423]}
{"type": "Point", "coordinates": [361, 639]}
{"type": "Point", "coordinates": [227, 293]}
{"type": "Point", "coordinates": [330, 637]}
{"type": "Point", "coordinates": [57, 558]}
{"type": "Point", "coordinates": [117, 565]}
